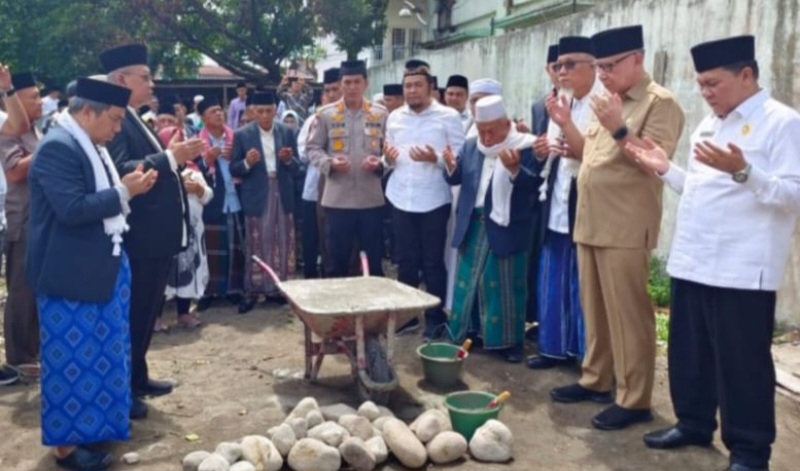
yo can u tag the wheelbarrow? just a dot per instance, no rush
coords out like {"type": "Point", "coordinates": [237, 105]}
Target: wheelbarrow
{"type": "Point", "coordinates": [349, 316]}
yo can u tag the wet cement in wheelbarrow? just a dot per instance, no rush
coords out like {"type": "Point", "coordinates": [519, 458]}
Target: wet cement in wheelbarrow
{"type": "Point", "coordinates": [238, 375]}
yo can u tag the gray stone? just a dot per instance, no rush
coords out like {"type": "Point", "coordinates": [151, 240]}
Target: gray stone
{"type": "Point", "coordinates": [385, 412]}
{"type": "Point", "coordinates": [261, 453]}
{"type": "Point", "coordinates": [377, 446]}
{"type": "Point", "coordinates": [231, 451]}
{"type": "Point", "coordinates": [300, 427]}
{"type": "Point", "coordinates": [215, 462]}
{"type": "Point", "coordinates": [447, 447]}
{"type": "Point", "coordinates": [430, 424]}
{"type": "Point", "coordinates": [355, 453]}
{"type": "Point", "coordinates": [130, 458]}
{"type": "Point", "coordinates": [284, 439]}
{"type": "Point", "coordinates": [313, 455]}
{"type": "Point", "coordinates": [405, 446]}
{"type": "Point", "coordinates": [330, 433]}
{"type": "Point", "coordinates": [369, 411]}
{"type": "Point", "coordinates": [303, 407]}
{"type": "Point", "coordinates": [243, 466]}
{"type": "Point", "coordinates": [314, 418]}
{"type": "Point", "coordinates": [336, 411]}
{"type": "Point", "coordinates": [492, 443]}
{"type": "Point", "coordinates": [357, 426]}
{"type": "Point", "coordinates": [192, 461]}
{"type": "Point", "coordinates": [378, 424]}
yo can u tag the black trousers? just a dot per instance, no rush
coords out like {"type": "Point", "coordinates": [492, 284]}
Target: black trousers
{"type": "Point", "coordinates": [148, 281]}
{"type": "Point", "coordinates": [419, 240]}
{"type": "Point", "coordinates": [310, 240]}
{"type": "Point", "coordinates": [719, 356]}
{"type": "Point", "coordinates": [345, 226]}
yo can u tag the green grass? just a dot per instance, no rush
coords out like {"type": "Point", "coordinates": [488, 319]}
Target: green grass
{"type": "Point", "coordinates": [658, 287]}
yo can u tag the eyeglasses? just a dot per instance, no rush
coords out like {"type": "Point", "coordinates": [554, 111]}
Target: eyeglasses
{"type": "Point", "coordinates": [609, 66]}
{"type": "Point", "coordinates": [569, 64]}
{"type": "Point", "coordinates": [148, 77]}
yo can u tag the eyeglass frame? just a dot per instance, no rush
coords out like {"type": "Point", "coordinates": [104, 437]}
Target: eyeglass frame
{"type": "Point", "coordinates": [608, 67]}
{"type": "Point", "coordinates": [570, 64]}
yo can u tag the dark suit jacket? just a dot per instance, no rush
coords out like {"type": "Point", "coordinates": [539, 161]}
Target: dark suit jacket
{"type": "Point", "coordinates": [157, 217]}
{"type": "Point", "coordinates": [539, 117]}
{"type": "Point", "coordinates": [69, 254]}
{"type": "Point", "coordinates": [254, 186]}
{"type": "Point", "coordinates": [503, 241]}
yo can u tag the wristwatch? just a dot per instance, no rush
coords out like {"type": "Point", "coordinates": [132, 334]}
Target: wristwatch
{"type": "Point", "coordinates": [620, 133]}
{"type": "Point", "coordinates": [7, 93]}
{"type": "Point", "coordinates": [742, 175]}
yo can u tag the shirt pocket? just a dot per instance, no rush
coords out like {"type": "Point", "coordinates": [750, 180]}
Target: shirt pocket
{"type": "Point", "coordinates": [373, 139]}
{"type": "Point", "coordinates": [338, 140]}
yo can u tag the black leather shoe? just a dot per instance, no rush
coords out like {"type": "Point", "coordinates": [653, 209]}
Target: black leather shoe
{"type": "Point", "coordinates": [247, 305]}
{"type": "Point", "coordinates": [618, 418]}
{"type": "Point", "coordinates": [138, 409]}
{"type": "Point", "coordinates": [539, 362]}
{"type": "Point", "coordinates": [82, 459]}
{"type": "Point", "coordinates": [577, 393]}
{"type": "Point", "coordinates": [204, 303]}
{"type": "Point", "coordinates": [741, 467]}
{"type": "Point", "coordinates": [154, 388]}
{"type": "Point", "coordinates": [673, 437]}
{"type": "Point", "coordinates": [234, 298]}
{"type": "Point", "coordinates": [278, 299]}
{"type": "Point", "coordinates": [512, 354]}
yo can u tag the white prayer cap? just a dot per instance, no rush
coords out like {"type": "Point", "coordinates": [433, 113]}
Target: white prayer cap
{"type": "Point", "coordinates": [486, 85]}
{"type": "Point", "coordinates": [490, 108]}
{"type": "Point", "coordinates": [199, 98]}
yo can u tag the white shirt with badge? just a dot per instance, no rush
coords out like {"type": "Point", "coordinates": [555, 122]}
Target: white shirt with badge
{"type": "Point", "coordinates": [418, 187]}
{"type": "Point", "coordinates": [738, 235]}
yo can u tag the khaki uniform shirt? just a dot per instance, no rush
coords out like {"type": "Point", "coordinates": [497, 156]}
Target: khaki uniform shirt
{"type": "Point", "coordinates": [12, 150]}
{"type": "Point", "coordinates": [619, 205]}
{"type": "Point", "coordinates": [356, 135]}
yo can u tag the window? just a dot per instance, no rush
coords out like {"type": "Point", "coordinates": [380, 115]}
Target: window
{"type": "Point", "coordinates": [416, 40]}
{"type": "Point", "coordinates": [398, 44]}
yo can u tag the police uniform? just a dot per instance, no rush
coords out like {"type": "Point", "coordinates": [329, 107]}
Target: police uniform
{"type": "Point", "coordinates": [353, 200]}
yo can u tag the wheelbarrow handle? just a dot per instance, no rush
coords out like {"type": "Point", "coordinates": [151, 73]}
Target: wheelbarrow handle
{"type": "Point", "coordinates": [263, 265]}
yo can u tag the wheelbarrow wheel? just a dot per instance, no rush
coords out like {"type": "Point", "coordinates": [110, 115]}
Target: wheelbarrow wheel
{"type": "Point", "coordinates": [378, 370]}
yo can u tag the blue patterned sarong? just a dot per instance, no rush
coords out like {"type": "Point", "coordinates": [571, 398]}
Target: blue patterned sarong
{"type": "Point", "coordinates": [86, 367]}
{"type": "Point", "coordinates": [490, 292]}
{"type": "Point", "coordinates": [561, 326]}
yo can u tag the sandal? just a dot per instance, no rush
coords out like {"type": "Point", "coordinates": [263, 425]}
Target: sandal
{"type": "Point", "coordinates": [189, 321]}
{"type": "Point", "coordinates": [29, 370]}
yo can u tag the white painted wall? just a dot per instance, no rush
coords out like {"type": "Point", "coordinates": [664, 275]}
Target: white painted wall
{"type": "Point", "coordinates": [673, 26]}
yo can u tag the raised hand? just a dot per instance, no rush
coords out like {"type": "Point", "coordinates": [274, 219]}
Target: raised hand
{"type": "Point", "coordinates": [449, 159]}
{"type": "Point", "coordinates": [139, 181]}
{"type": "Point", "coordinates": [391, 153]}
{"type": "Point", "coordinates": [510, 160]}
{"type": "Point", "coordinates": [371, 163]}
{"type": "Point", "coordinates": [649, 155]}
{"type": "Point", "coordinates": [252, 157]}
{"type": "Point", "coordinates": [340, 163]}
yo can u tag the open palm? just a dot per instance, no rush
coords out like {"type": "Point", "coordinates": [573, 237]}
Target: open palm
{"type": "Point", "coordinates": [649, 155]}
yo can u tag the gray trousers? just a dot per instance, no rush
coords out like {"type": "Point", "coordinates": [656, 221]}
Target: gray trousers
{"type": "Point", "coordinates": [21, 318]}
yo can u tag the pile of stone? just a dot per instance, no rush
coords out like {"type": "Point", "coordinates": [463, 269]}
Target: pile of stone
{"type": "Point", "coordinates": [339, 437]}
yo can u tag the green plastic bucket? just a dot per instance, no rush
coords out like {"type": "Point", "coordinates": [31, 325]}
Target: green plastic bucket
{"type": "Point", "coordinates": [468, 411]}
{"type": "Point", "coordinates": [439, 364]}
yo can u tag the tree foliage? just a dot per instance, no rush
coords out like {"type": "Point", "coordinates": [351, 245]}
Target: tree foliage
{"type": "Point", "coordinates": [355, 24]}
{"type": "Point", "coordinates": [247, 37]}
{"type": "Point", "coordinates": [59, 41]}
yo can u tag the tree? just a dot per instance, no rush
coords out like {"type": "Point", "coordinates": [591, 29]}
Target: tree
{"type": "Point", "coordinates": [60, 41]}
{"type": "Point", "coordinates": [355, 24]}
{"type": "Point", "coordinates": [247, 37]}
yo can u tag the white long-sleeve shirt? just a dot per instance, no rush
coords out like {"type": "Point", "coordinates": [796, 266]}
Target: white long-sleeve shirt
{"type": "Point", "coordinates": [734, 235]}
{"type": "Point", "coordinates": [418, 187]}
{"type": "Point", "coordinates": [311, 183]}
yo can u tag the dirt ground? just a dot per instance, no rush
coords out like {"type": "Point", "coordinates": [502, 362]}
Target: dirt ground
{"type": "Point", "coordinates": [239, 375]}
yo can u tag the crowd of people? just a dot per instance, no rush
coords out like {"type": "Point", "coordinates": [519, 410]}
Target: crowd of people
{"type": "Point", "coordinates": [111, 212]}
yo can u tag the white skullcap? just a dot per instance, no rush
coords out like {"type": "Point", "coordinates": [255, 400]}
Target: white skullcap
{"type": "Point", "coordinates": [490, 108]}
{"type": "Point", "coordinates": [199, 98]}
{"type": "Point", "coordinates": [486, 85]}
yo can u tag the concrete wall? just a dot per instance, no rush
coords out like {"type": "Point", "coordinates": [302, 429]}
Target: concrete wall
{"type": "Point", "coordinates": [671, 27]}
